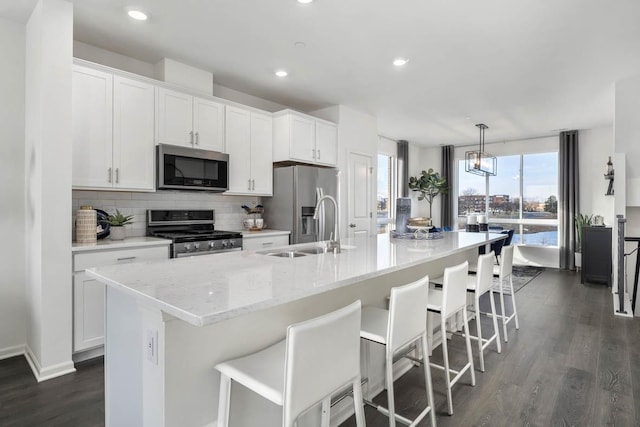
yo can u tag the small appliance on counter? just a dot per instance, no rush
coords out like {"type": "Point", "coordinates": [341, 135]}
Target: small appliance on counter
{"type": "Point", "coordinates": [192, 232]}
{"type": "Point", "coordinates": [472, 223]}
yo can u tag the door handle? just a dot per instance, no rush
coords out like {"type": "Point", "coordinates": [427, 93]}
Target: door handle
{"type": "Point", "coordinates": [352, 225]}
{"type": "Point", "coordinates": [318, 154]}
{"type": "Point", "coordinates": [197, 138]}
{"type": "Point", "coordinates": [249, 185]}
{"type": "Point", "coordinates": [313, 153]}
{"type": "Point", "coordinates": [109, 175]}
{"type": "Point", "coordinates": [191, 137]}
{"type": "Point", "coordinates": [127, 258]}
{"type": "Point", "coordinates": [253, 184]}
{"type": "Point", "coordinates": [117, 175]}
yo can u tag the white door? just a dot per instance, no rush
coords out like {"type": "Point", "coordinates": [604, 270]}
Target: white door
{"type": "Point", "coordinates": [208, 125]}
{"type": "Point", "coordinates": [91, 106]}
{"type": "Point", "coordinates": [133, 146]}
{"type": "Point", "coordinates": [302, 141]}
{"type": "Point", "coordinates": [262, 154]}
{"type": "Point", "coordinates": [326, 143]}
{"type": "Point", "coordinates": [175, 118]}
{"type": "Point", "coordinates": [88, 312]}
{"type": "Point", "coordinates": [359, 193]}
{"type": "Point", "coordinates": [238, 144]}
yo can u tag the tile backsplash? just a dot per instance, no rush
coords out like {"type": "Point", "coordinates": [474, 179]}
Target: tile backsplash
{"type": "Point", "coordinates": [229, 214]}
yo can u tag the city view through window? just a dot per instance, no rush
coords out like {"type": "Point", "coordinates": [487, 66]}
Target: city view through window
{"type": "Point", "coordinates": [522, 197]}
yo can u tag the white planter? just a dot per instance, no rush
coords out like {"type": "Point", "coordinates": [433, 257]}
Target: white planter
{"type": "Point", "coordinates": [116, 233]}
{"type": "Point", "coordinates": [577, 257]}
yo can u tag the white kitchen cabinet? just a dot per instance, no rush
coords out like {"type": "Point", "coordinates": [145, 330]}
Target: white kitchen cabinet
{"type": "Point", "coordinates": [249, 139]}
{"type": "Point", "coordinates": [303, 138]}
{"type": "Point", "coordinates": [190, 121]}
{"type": "Point", "coordinates": [256, 243]}
{"type": "Point", "coordinates": [88, 293]}
{"type": "Point", "coordinates": [113, 129]}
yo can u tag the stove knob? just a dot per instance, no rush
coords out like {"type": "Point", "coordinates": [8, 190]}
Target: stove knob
{"type": "Point", "coordinates": [196, 245]}
{"type": "Point", "coordinates": [232, 243]}
{"type": "Point", "coordinates": [225, 243]}
{"type": "Point", "coordinates": [212, 244]}
{"type": "Point", "coordinates": [187, 247]}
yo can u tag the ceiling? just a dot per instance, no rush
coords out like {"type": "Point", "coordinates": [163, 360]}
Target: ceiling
{"type": "Point", "coordinates": [525, 68]}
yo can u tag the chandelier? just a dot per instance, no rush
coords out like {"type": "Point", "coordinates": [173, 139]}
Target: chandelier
{"type": "Point", "coordinates": [480, 162]}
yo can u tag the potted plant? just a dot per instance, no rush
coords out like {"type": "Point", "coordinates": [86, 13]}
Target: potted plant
{"type": "Point", "coordinates": [117, 223]}
{"type": "Point", "coordinates": [581, 220]}
{"type": "Point", "coordinates": [429, 184]}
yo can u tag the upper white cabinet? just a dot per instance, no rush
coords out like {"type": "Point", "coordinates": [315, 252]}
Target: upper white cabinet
{"type": "Point", "coordinates": [113, 129]}
{"type": "Point", "coordinates": [249, 142]}
{"type": "Point", "coordinates": [304, 138]}
{"type": "Point", "coordinates": [190, 121]}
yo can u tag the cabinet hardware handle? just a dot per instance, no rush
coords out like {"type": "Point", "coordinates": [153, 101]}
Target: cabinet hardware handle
{"type": "Point", "coordinates": [191, 137]}
{"type": "Point", "coordinates": [267, 243]}
{"type": "Point", "coordinates": [126, 258]}
{"type": "Point", "coordinates": [352, 225]}
{"type": "Point", "coordinates": [253, 184]}
{"type": "Point", "coordinates": [318, 154]}
{"type": "Point", "coordinates": [313, 153]}
{"type": "Point", "coordinates": [117, 175]}
{"type": "Point", "coordinates": [109, 175]}
{"type": "Point", "coordinates": [197, 138]}
{"type": "Point", "coordinates": [249, 185]}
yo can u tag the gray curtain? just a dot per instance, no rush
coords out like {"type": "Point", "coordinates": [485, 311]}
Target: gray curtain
{"type": "Point", "coordinates": [403, 168]}
{"type": "Point", "coordinates": [569, 197]}
{"type": "Point", "coordinates": [447, 198]}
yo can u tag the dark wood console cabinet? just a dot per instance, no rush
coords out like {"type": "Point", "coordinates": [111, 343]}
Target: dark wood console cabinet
{"type": "Point", "coordinates": [596, 255]}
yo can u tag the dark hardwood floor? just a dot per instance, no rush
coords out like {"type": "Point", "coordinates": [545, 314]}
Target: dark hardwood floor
{"type": "Point", "coordinates": [571, 363]}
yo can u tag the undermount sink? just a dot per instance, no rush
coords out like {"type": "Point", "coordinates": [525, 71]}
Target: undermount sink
{"type": "Point", "coordinates": [286, 254]}
{"type": "Point", "coordinates": [314, 250]}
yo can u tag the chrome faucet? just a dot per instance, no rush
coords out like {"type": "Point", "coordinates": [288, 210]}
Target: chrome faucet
{"type": "Point", "coordinates": [334, 240]}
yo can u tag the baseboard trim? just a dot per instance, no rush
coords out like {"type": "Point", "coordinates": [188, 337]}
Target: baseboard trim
{"type": "Point", "coordinates": [16, 350]}
{"type": "Point", "coordinates": [49, 372]}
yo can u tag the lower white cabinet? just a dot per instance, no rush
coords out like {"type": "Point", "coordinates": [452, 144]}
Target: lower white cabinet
{"type": "Point", "coordinates": [256, 243]}
{"type": "Point", "coordinates": [88, 293]}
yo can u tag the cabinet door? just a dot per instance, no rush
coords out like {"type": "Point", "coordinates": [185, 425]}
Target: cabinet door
{"type": "Point", "coordinates": [92, 104]}
{"type": "Point", "coordinates": [175, 118]}
{"type": "Point", "coordinates": [263, 242]}
{"type": "Point", "coordinates": [133, 147]}
{"type": "Point", "coordinates": [302, 141]}
{"type": "Point", "coordinates": [238, 145]}
{"type": "Point", "coordinates": [326, 144]}
{"type": "Point", "coordinates": [262, 154]}
{"type": "Point", "coordinates": [208, 124]}
{"type": "Point", "coordinates": [88, 312]}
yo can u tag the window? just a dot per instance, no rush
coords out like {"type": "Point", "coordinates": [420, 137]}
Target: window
{"type": "Point", "coordinates": [386, 193]}
{"type": "Point", "coordinates": [522, 197]}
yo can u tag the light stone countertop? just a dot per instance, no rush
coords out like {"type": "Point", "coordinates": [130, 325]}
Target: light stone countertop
{"type": "Point", "coordinates": [206, 289]}
{"type": "Point", "coordinates": [108, 244]}
{"type": "Point", "coordinates": [246, 234]}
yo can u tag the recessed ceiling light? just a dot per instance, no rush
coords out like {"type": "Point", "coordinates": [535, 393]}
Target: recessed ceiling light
{"type": "Point", "coordinates": [399, 62]}
{"type": "Point", "coordinates": [137, 15]}
{"type": "Point", "coordinates": [281, 73]}
{"type": "Point", "coordinates": [305, 1]}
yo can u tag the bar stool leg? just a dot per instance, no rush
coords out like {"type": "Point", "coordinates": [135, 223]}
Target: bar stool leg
{"type": "Point", "coordinates": [427, 379]}
{"type": "Point", "coordinates": [445, 357]}
{"type": "Point", "coordinates": [357, 403]}
{"type": "Point", "coordinates": [479, 335]}
{"type": "Point", "coordinates": [224, 400]}
{"type": "Point", "coordinates": [495, 321]}
{"type": "Point", "coordinates": [468, 341]}
{"type": "Point", "coordinates": [513, 301]}
{"type": "Point", "coordinates": [390, 398]}
{"type": "Point", "coordinates": [503, 311]}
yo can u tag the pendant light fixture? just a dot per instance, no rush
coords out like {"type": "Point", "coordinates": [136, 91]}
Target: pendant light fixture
{"type": "Point", "coordinates": [479, 162]}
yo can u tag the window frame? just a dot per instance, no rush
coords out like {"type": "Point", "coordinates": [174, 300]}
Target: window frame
{"type": "Point", "coordinates": [393, 190]}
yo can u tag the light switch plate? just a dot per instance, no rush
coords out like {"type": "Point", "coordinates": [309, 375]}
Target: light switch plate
{"type": "Point", "coordinates": [151, 346]}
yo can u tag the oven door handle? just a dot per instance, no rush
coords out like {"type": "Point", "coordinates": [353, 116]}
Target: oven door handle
{"type": "Point", "coordinates": [187, 254]}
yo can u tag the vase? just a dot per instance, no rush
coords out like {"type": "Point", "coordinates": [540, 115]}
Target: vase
{"type": "Point", "coordinates": [116, 232]}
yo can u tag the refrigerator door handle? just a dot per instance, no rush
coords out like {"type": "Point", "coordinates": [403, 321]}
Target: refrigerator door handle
{"type": "Point", "coordinates": [320, 224]}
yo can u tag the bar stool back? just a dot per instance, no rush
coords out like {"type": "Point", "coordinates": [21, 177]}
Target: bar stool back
{"type": "Point", "coordinates": [319, 357]}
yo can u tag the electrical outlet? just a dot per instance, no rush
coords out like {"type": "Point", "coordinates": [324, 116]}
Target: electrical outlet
{"type": "Point", "coordinates": [151, 346]}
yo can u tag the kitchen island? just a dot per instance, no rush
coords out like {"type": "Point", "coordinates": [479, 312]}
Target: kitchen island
{"type": "Point", "coordinates": [168, 323]}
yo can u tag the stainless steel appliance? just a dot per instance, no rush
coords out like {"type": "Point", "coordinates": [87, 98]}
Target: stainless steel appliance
{"type": "Point", "coordinates": [296, 189]}
{"type": "Point", "coordinates": [192, 232]}
{"type": "Point", "coordinates": [184, 168]}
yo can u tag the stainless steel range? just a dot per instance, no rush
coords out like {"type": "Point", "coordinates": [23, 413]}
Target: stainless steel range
{"type": "Point", "coordinates": [192, 232]}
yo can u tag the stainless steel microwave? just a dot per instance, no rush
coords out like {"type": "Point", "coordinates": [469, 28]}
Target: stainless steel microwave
{"type": "Point", "coordinates": [183, 168]}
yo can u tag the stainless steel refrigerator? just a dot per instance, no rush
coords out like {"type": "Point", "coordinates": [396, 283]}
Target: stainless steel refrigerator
{"type": "Point", "coordinates": [295, 192]}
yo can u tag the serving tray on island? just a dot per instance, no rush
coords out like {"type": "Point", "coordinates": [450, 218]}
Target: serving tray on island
{"type": "Point", "coordinates": [421, 233]}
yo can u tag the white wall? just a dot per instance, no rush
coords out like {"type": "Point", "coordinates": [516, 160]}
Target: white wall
{"type": "Point", "coordinates": [171, 71]}
{"type": "Point", "coordinates": [424, 158]}
{"type": "Point", "coordinates": [12, 293]}
{"type": "Point", "coordinates": [112, 59]}
{"type": "Point", "coordinates": [49, 34]}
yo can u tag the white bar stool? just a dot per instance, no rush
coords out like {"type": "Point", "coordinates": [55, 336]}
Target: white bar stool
{"type": "Point", "coordinates": [478, 285]}
{"type": "Point", "coordinates": [505, 277]}
{"type": "Point", "coordinates": [447, 302]}
{"type": "Point", "coordinates": [405, 323]}
{"type": "Point", "coordinates": [318, 358]}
